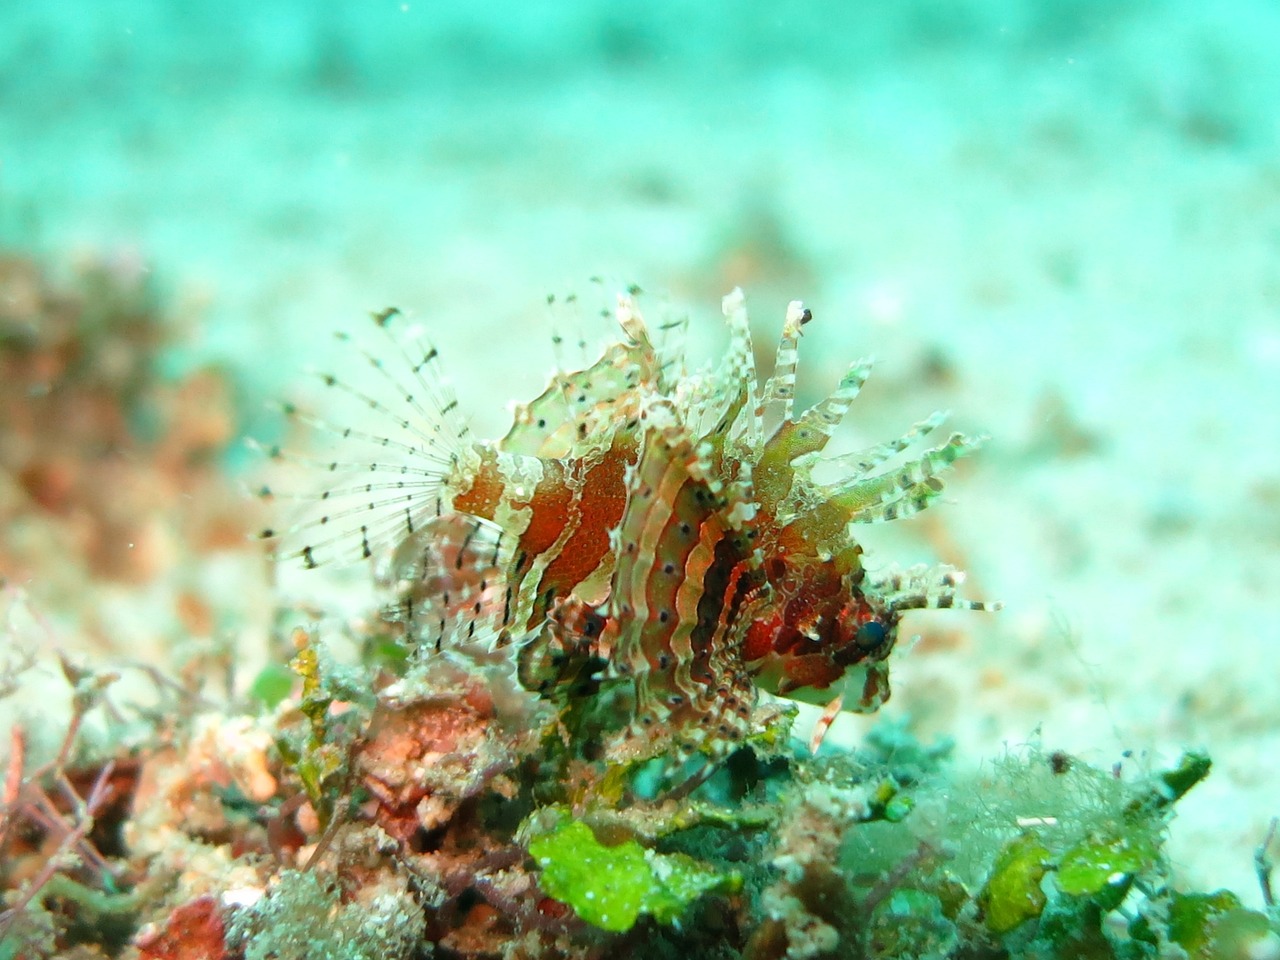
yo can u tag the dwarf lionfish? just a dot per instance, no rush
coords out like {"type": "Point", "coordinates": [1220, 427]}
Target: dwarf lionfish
{"type": "Point", "coordinates": [641, 525]}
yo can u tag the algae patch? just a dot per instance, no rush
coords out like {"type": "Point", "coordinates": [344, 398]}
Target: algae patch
{"type": "Point", "coordinates": [610, 887]}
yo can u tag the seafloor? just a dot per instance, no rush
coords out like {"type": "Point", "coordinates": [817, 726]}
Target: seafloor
{"type": "Point", "coordinates": [1060, 220]}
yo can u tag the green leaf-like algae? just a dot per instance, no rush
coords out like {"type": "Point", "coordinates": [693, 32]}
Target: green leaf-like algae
{"type": "Point", "coordinates": [1099, 862]}
{"type": "Point", "coordinates": [610, 887]}
{"type": "Point", "coordinates": [1213, 926]}
{"type": "Point", "coordinates": [1013, 891]}
{"type": "Point", "coordinates": [272, 685]}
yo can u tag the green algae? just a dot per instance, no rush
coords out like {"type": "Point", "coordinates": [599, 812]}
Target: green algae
{"type": "Point", "coordinates": [320, 755]}
{"type": "Point", "coordinates": [272, 685]}
{"type": "Point", "coordinates": [1013, 894]}
{"type": "Point", "coordinates": [1211, 926]}
{"type": "Point", "coordinates": [611, 887]}
{"type": "Point", "coordinates": [1106, 864]}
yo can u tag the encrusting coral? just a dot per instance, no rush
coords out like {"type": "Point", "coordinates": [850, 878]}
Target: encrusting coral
{"type": "Point", "coordinates": [525, 759]}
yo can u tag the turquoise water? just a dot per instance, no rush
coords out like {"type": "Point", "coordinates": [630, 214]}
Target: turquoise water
{"type": "Point", "coordinates": [1061, 219]}
{"type": "Point", "coordinates": [357, 152]}
{"type": "Point", "coordinates": [296, 163]}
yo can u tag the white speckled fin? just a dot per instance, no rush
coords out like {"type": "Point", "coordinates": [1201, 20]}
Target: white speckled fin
{"type": "Point", "coordinates": [404, 443]}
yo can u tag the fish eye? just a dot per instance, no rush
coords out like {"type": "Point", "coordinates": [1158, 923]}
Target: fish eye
{"type": "Point", "coordinates": [871, 635]}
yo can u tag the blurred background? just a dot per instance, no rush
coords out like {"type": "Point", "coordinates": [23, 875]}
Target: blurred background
{"type": "Point", "coordinates": [1058, 218]}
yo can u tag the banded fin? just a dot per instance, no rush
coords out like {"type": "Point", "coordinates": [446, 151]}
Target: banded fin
{"type": "Point", "coordinates": [796, 443]}
{"type": "Point", "coordinates": [582, 405]}
{"type": "Point", "coordinates": [860, 463]}
{"type": "Point", "coordinates": [449, 584]}
{"type": "Point", "coordinates": [903, 492]}
{"type": "Point", "coordinates": [924, 587]}
{"type": "Point", "coordinates": [401, 446]}
{"type": "Point", "coordinates": [780, 389]}
{"type": "Point", "coordinates": [738, 376]}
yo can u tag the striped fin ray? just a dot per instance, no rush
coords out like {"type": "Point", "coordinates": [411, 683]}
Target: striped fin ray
{"type": "Point", "coordinates": [781, 386]}
{"type": "Point", "coordinates": [425, 409]}
{"type": "Point", "coordinates": [903, 492]}
{"type": "Point", "coordinates": [860, 463]}
{"type": "Point", "coordinates": [738, 374]}
{"type": "Point", "coordinates": [449, 583]}
{"type": "Point", "coordinates": [796, 442]}
{"type": "Point", "coordinates": [721, 405]}
{"type": "Point", "coordinates": [582, 405]}
{"type": "Point", "coordinates": [345, 522]}
{"type": "Point", "coordinates": [432, 403]}
{"type": "Point", "coordinates": [402, 446]}
{"type": "Point", "coordinates": [667, 345]}
{"type": "Point", "coordinates": [670, 347]}
{"type": "Point", "coordinates": [821, 420]}
{"type": "Point", "coordinates": [569, 314]}
{"type": "Point", "coordinates": [565, 321]}
{"type": "Point", "coordinates": [923, 587]}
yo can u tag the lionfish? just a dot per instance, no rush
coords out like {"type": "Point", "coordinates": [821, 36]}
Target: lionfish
{"type": "Point", "coordinates": [643, 526]}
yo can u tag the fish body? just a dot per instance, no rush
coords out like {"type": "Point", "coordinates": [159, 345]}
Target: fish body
{"type": "Point", "coordinates": [647, 527]}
